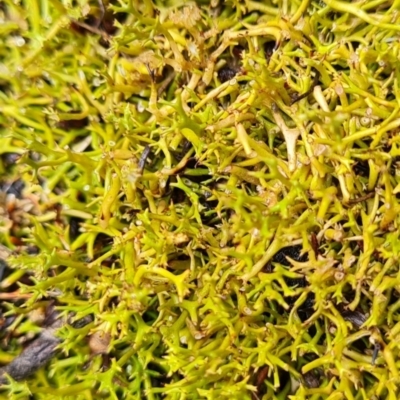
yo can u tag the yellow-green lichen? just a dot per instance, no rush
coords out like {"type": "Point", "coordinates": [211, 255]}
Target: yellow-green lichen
{"type": "Point", "coordinates": [211, 187]}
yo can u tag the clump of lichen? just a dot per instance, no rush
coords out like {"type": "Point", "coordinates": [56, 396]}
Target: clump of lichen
{"type": "Point", "coordinates": [211, 187]}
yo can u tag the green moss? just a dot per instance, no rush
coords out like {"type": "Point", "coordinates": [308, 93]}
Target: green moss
{"type": "Point", "coordinates": [173, 154]}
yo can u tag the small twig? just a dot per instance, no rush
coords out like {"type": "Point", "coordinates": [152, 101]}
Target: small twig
{"type": "Point", "coordinates": [143, 158]}
{"type": "Point", "coordinates": [164, 84]}
{"type": "Point", "coordinates": [14, 296]}
{"type": "Point", "coordinates": [377, 348]}
{"type": "Point", "coordinates": [261, 376]}
{"type": "Point", "coordinates": [314, 83]}
{"type": "Point", "coordinates": [92, 29]}
{"type": "Point", "coordinates": [315, 244]}
{"type": "Point", "coordinates": [362, 198]}
{"type": "Point", "coordinates": [151, 72]}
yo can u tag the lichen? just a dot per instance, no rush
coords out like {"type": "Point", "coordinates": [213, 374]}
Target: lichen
{"type": "Point", "coordinates": [211, 187]}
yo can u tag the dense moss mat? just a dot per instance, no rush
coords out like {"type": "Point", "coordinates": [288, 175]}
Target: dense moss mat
{"type": "Point", "coordinates": [206, 197]}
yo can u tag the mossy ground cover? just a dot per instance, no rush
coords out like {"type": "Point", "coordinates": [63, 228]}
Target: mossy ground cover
{"type": "Point", "coordinates": [199, 200]}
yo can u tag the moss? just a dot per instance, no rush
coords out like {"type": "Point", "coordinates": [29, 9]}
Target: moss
{"type": "Point", "coordinates": [199, 199]}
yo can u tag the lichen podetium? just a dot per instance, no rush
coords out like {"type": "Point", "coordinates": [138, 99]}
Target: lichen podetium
{"type": "Point", "coordinates": [199, 200]}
